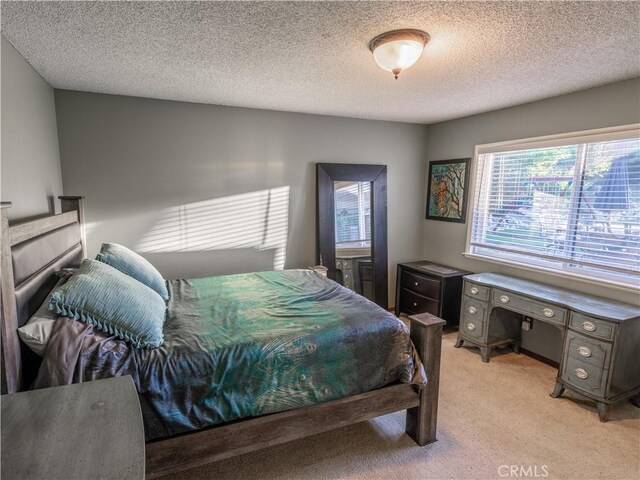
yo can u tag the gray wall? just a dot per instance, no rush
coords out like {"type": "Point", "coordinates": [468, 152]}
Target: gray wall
{"type": "Point", "coordinates": [30, 167]}
{"type": "Point", "coordinates": [609, 105]}
{"type": "Point", "coordinates": [239, 183]}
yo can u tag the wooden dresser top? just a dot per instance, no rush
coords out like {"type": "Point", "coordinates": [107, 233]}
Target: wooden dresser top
{"type": "Point", "coordinates": [434, 268]}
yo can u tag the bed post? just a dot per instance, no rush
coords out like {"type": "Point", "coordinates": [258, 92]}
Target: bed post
{"type": "Point", "coordinates": [70, 203]}
{"type": "Point", "coordinates": [426, 334]}
{"type": "Point", "coordinates": [11, 361]}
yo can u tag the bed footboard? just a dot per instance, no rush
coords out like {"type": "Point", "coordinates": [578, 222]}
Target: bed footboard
{"type": "Point", "coordinates": [205, 446]}
{"type": "Point", "coordinates": [426, 334]}
{"type": "Point", "coordinates": [242, 436]}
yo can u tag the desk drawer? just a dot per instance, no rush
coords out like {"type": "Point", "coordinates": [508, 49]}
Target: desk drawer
{"type": "Point", "coordinates": [473, 318]}
{"type": "Point", "coordinates": [476, 291]}
{"type": "Point", "coordinates": [537, 309]}
{"type": "Point", "coordinates": [472, 327]}
{"type": "Point", "coordinates": [592, 326]}
{"type": "Point", "coordinates": [414, 303]}
{"type": "Point", "coordinates": [473, 308]}
{"type": "Point", "coordinates": [420, 284]}
{"type": "Point", "coordinates": [344, 264]}
{"type": "Point", "coordinates": [588, 350]}
{"type": "Point", "coordinates": [584, 376]}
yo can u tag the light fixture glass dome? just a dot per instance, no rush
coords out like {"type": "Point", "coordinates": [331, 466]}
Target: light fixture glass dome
{"type": "Point", "coordinates": [398, 50]}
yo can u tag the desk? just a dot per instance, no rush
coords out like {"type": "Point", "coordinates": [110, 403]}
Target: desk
{"type": "Point", "coordinates": [600, 337]}
{"type": "Point", "coordinates": [80, 431]}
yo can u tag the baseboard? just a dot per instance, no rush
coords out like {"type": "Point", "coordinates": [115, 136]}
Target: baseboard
{"type": "Point", "coordinates": [540, 358]}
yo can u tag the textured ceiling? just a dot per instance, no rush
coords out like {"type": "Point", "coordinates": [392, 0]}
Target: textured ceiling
{"type": "Point", "coordinates": [312, 56]}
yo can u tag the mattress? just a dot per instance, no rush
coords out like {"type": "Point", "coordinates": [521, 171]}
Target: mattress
{"type": "Point", "coordinates": [243, 345]}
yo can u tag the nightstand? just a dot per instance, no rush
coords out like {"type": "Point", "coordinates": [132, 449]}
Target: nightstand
{"type": "Point", "coordinates": [80, 431]}
{"type": "Point", "coordinates": [427, 287]}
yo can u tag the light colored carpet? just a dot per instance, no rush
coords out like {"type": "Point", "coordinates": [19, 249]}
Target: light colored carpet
{"type": "Point", "coordinates": [490, 415]}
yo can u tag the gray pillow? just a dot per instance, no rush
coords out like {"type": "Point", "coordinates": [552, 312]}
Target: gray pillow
{"type": "Point", "coordinates": [112, 302]}
{"type": "Point", "coordinates": [36, 332]}
{"type": "Point", "coordinates": [132, 264]}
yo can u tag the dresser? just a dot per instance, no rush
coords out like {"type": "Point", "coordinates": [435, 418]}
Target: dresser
{"type": "Point", "coordinates": [427, 287]}
{"type": "Point", "coordinates": [601, 338]}
{"type": "Point", "coordinates": [80, 431]}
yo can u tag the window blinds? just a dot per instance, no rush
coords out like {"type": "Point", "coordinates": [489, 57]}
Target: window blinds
{"type": "Point", "coordinates": [573, 207]}
{"type": "Point", "coordinates": [353, 214]}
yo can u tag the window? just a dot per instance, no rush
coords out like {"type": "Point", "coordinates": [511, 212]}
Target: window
{"type": "Point", "coordinates": [564, 204]}
{"type": "Point", "coordinates": [353, 214]}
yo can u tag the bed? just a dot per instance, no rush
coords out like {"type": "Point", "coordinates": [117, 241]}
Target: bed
{"type": "Point", "coordinates": [335, 374]}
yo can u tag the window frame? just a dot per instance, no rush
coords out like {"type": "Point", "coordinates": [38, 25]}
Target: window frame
{"type": "Point", "coordinates": [556, 140]}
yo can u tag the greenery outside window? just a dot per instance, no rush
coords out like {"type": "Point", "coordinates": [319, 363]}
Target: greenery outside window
{"type": "Point", "coordinates": [567, 204]}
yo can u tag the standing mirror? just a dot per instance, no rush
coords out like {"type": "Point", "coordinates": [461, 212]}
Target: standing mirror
{"type": "Point", "coordinates": [352, 227]}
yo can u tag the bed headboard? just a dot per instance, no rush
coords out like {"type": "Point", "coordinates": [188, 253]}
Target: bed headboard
{"type": "Point", "coordinates": [31, 252]}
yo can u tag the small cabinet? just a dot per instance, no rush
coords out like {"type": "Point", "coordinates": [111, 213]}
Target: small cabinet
{"type": "Point", "coordinates": [84, 430]}
{"type": "Point", "coordinates": [366, 279]}
{"type": "Point", "coordinates": [427, 287]}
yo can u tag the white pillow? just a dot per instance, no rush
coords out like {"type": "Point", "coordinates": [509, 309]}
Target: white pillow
{"type": "Point", "coordinates": [36, 332]}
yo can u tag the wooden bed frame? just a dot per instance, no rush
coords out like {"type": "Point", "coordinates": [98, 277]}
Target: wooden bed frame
{"type": "Point", "coordinates": [203, 446]}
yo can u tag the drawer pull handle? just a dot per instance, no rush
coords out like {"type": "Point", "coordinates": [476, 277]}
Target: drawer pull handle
{"type": "Point", "coordinates": [581, 373]}
{"type": "Point", "coordinates": [471, 326]}
{"type": "Point", "coordinates": [416, 284]}
{"type": "Point", "coordinates": [584, 351]}
{"type": "Point", "coordinates": [474, 291]}
{"type": "Point", "coordinates": [472, 310]}
{"type": "Point", "coordinates": [504, 299]}
{"type": "Point", "coordinates": [588, 326]}
{"type": "Point", "coordinates": [415, 304]}
{"type": "Point", "coordinates": [547, 312]}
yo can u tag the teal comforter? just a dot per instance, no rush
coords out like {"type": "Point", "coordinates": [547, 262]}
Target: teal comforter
{"type": "Point", "coordinates": [244, 345]}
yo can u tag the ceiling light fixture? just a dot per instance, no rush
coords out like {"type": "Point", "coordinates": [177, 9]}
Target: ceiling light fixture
{"type": "Point", "coordinates": [397, 50]}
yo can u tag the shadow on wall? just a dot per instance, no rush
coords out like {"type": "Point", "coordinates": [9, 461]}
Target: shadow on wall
{"type": "Point", "coordinates": [256, 220]}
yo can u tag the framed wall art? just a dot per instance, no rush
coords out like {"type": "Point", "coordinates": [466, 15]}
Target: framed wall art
{"type": "Point", "coordinates": [447, 190]}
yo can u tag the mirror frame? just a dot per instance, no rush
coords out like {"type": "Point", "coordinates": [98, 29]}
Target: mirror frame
{"type": "Point", "coordinates": [326, 175]}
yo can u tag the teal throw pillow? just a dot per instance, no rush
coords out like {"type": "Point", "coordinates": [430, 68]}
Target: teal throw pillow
{"type": "Point", "coordinates": [112, 302]}
{"type": "Point", "coordinates": [134, 265]}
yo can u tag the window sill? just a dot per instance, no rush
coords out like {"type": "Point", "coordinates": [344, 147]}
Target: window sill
{"type": "Point", "coordinates": [556, 273]}
{"type": "Point", "coordinates": [353, 251]}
